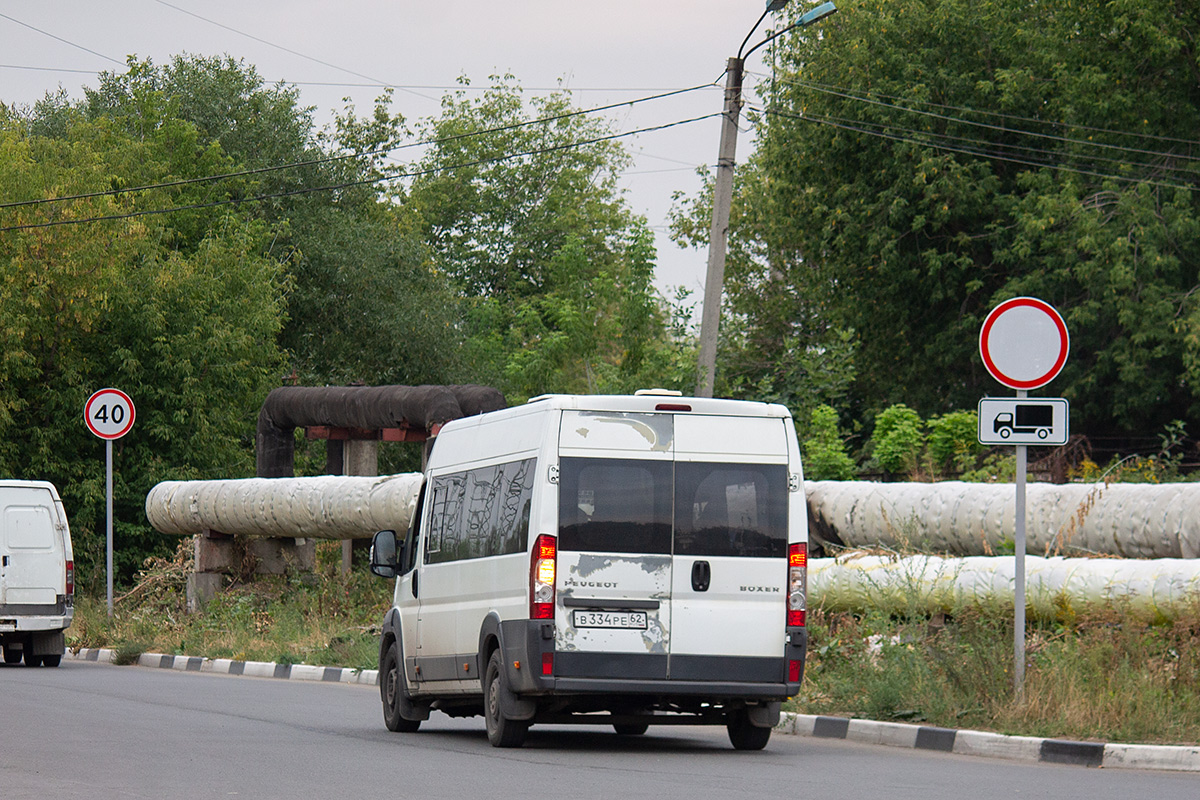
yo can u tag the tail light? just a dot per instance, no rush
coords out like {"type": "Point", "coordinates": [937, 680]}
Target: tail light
{"type": "Point", "coordinates": [70, 578]}
{"type": "Point", "coordinates": [541, 577]}
{"type": "Point", "coordinates": [797, 584]}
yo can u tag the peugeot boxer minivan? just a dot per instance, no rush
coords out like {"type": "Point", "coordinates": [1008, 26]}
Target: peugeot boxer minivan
{"type": "Point", "coordinates": [37, 573]}
{"type": "Point", "coordinates": [619, 560]}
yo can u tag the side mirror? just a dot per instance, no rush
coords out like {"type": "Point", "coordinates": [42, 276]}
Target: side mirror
{"type": "Point", "coordinates": [383, 555]}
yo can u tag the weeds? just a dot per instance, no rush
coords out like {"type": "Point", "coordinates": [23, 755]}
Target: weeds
{"type": "Point", "coordinates": [1104, 677]}
{"type": "Point", "coordinates": [324, 618]}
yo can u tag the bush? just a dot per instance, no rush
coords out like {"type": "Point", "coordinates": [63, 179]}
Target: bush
{"type": "Point", "coordinates": [825, 456]}
{"type": "Point", "coordinates": [953, 444]}
{"type": "Point", "coordinates": [898, 440]}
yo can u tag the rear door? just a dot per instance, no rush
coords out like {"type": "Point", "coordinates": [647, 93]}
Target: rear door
{"type": "Point", "coordinates": [32, 569]}
{"type": "Point", "coordinates": [614, 545]}
{"type": "Point", "coordinates": [729, 590]}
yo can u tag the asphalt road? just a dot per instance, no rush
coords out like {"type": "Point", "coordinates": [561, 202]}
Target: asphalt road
{"type": "Point", "coordinates": [89, 730]}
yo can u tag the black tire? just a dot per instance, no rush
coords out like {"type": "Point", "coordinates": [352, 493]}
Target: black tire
{"type": "Point", "coordinates": [31, 660]}
{"type": "Point", "coordinates": [51, 661]}
{"type": "Point", "coordinates": [501, 731]}
{"type": "Point", "coordinates": [11, 655]}
{"type": "Point", "coordinates": [631, 728]}
{"type": "Point", "coordinates": [743, 735]}
{"type": "Point", "coordinates": [393, 689]}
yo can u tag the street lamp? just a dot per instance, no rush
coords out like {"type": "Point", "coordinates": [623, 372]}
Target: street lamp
{"type": "Point", "coordinates": [714, 282]}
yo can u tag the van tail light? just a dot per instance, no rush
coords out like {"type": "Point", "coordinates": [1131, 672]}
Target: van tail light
{"type": "Point", "coordinates": [797, 584]}
{"type": "Point", "coordinates": [70, 578]}
{"type": "Point", "coordinates": [541, 577]}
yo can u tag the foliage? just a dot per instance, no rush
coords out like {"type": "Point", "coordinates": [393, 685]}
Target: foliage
{"type": "Point", "coordinates": [921, 160]}
{"type": "Point", "coordinates": [327, 618]}
{"type": "Point", "coordinates": [953, 443]}
{"type": "Point", "coordinates": [520, 208]}
{"type": "Point", "coordinates": [182, 313]}
{"type": "Point", "coordinates": [824, 452]}
{"type": "Point", "coordinates": [897, 440]}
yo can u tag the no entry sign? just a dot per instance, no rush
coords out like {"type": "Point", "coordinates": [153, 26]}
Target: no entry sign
{"type": "Point", "coordinates": [1024, 343]}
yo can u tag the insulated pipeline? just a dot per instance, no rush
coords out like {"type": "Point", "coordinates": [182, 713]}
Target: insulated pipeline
{"type": "Point", "coordinates": [323, 507]}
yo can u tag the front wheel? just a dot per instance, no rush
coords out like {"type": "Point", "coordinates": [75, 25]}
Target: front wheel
{"type": "Point", "coordinates": [394, 691]}
{"type": "Point", "coordinates": [631, 728]}
{"type": "Point", "coordinates": [501, 731]}
{"type": "Point", "coordinates": [743, 735]}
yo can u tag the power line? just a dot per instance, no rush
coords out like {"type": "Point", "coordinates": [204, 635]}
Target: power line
{"type": "Point", "coordinates": [353, 184]}
{"type": "Point", "coordinates": [60, 39]}
{"type": "Point", "coordinates": [867, 98]}
{"type": "Point", "coordinates": [289, 50]}
{"type": "Point", "coordinates": [966, 151]}
{"type": "Point", "coordinates": [365, 154]}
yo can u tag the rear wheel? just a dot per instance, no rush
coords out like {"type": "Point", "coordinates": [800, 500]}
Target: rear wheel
{"type": "Point", "coordinates": [31, 660]}
{"type": "Point", "coordinates": [631, 728]}
{"type": "Point", "coordinates": [501, 731]}
{"type": "Point", "coordinates": [395, 693]}
{"type": "Point", "coordinates": [743, 735]}
{"type": "Point", "coordinates": [12, 654]}
{"type": "Point", "coordinates": [51, 661]}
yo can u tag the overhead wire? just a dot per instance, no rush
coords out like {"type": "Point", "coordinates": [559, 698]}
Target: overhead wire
{"type": "Point", "coordinates": [348, 156]}
{"type": "Point", "coordinates": [352, 184]}
{"type": "Point", "coordinates": [61, 39]}
{"type": "Point", "coordinates": [932, 141]}
{"type": "Point", "coordinates": [862, 98]}
{"type": "Point", "coordinates": [827, 88]}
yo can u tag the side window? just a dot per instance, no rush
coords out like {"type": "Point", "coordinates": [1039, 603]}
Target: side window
{"type": "Point", "coordinates": [481, 512]}
{"type": "Point", "coordinates": [731, 510]}
{"type": "Point", "coordinates": [410, 538]}
{"type": "Point", "coordinates": [445, 521]}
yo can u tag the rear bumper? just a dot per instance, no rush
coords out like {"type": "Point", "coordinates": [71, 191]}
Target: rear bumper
{"type": "Point", "coordinates": [18, 617]}
{"type": "Point", "coordinates": [530, 644]}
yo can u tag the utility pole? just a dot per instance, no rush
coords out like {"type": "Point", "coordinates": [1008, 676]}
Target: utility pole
{"type": "Point", "coordinates": [714, 282]}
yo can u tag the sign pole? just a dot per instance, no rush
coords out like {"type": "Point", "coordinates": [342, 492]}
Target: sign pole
{"type": "Point", "coordinates": [1019, 573]}
{"type": "Point", "coordinates": [1024, 344]}
{"type": "Point", "coordinates": [108, 528]}
{"type": "Point", "coordinates": [109, 413]}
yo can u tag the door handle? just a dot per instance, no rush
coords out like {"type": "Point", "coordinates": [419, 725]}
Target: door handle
{"type": "Point", "coordinates": [701, 575]}
{"type": "Point", "coordinates": [5, 561]}
{"type": "Point", "coordinates": [414, 583]}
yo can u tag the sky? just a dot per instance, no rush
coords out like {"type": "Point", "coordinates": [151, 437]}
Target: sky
{"type": "Point", "coordinates": [606, 52]}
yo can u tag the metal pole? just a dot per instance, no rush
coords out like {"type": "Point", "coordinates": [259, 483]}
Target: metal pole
{"type": "Point", "coordinates": [1019, 573]}
{"type": "Point", "coordinates": [108, 489]}
{"type": "Point", "coordinates": [714, 281]}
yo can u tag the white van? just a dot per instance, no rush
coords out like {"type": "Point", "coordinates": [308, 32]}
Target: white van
{"type": "Point", "coordinates": [37, 573]}
{"type": "Point", "coordinates": [620, 560]}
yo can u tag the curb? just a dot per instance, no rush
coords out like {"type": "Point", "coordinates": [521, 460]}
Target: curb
{"type": "Point", "coordinates": [994, 745]}
{"type": "Point", "coordinates": [894, 734]}
{"type": "Point", "coordinates": [225, 666]}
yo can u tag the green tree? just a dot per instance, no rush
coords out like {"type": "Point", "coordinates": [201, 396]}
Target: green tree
{"type": "Point", "coordinates": [824, 451]}
{"type": "Point", "coordinates": [897, 441]}
{"type": "Point", "coordinates": [922, 160]}
{"type": "Point", "coordinates": [519, 206]}
{"type": "Point", "coordinates": [953, 442]}
{"type": "Point", "coordinates": [189, 333]}
{"type": "Point", "coordinates": [364, 303]}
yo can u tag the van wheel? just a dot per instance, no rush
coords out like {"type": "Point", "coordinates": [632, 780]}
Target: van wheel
{"type": "Point", "coordinates": [631, 728]}
{"type": "Point", "coordinates": [743, 735]}
{"type": "Point", "coordinates": [31, 660]}
{"type": "Point", "coordinates": [51, 661]}
{"type": "Point", "coordinates": [394, 690]}
{"type": "Point", "coordinates": [501, 731]}
{"type": "Point", "coordinates": [11, 655]}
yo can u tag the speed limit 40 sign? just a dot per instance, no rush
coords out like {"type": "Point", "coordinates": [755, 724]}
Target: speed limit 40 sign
{"type": "Point", "coordinates": [109, 413]}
